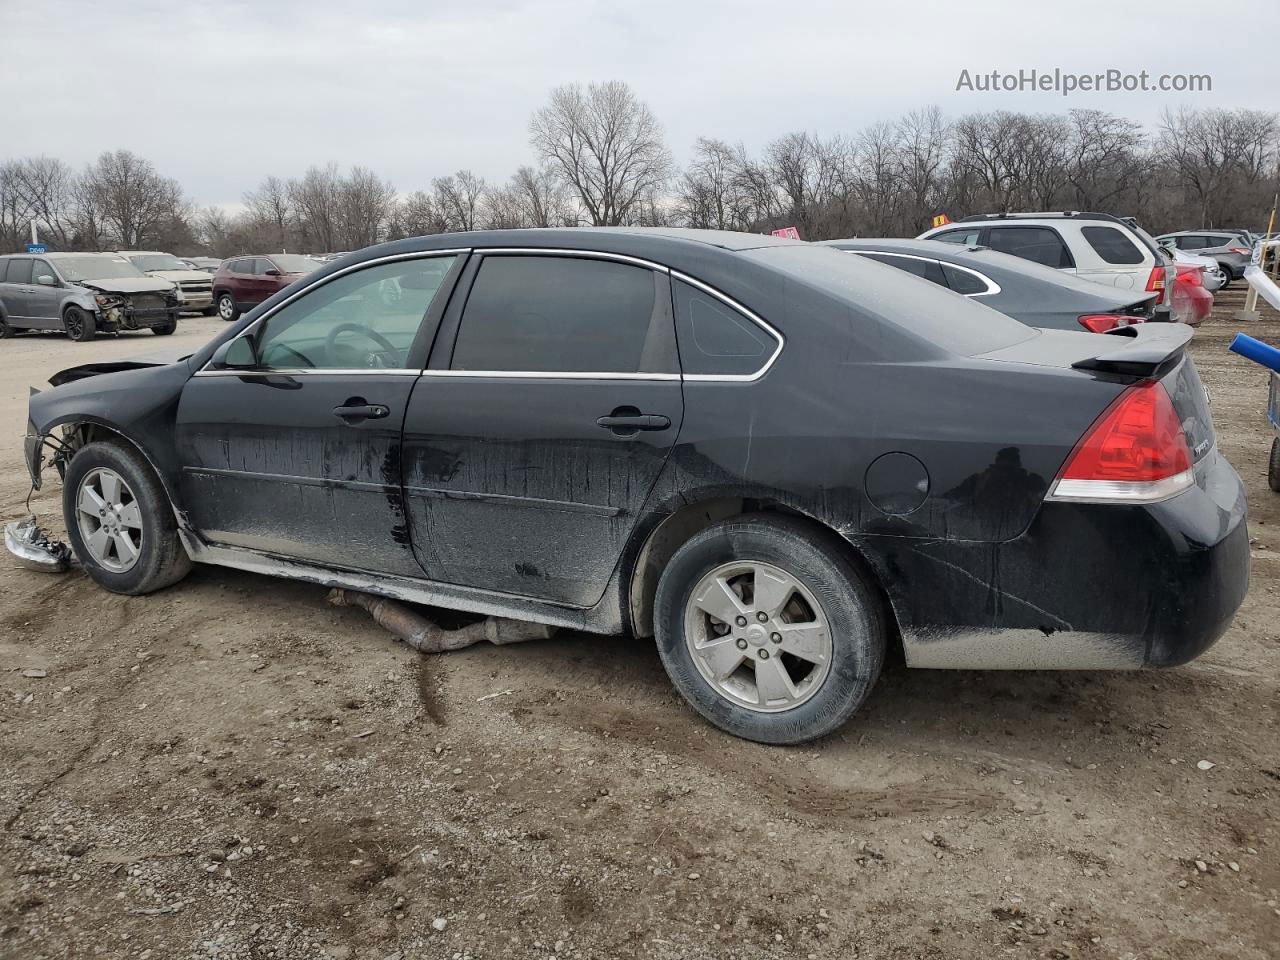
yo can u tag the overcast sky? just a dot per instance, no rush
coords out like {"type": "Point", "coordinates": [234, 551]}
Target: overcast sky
{"type": "Point", "coordinates": [220, 93]}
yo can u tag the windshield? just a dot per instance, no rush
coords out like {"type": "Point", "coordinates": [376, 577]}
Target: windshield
{"type": "Point", "coordinates": [91, 267]}
{"type": "Point", "coordinates": [293, 263]}
{"type": "Point", "coordinates": [158, 261]}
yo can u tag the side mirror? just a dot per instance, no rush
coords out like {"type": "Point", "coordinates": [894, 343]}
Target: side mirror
{"type": "Point", "coordinates": [272, 273]}
{"type": "Point", "coordinates": [46, 281]}
{"type": "Point", "coordinates": [237, 354]}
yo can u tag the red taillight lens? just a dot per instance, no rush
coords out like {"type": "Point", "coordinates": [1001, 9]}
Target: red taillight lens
{"type": "Point", "coordinates": [1102, 322]}
{"type": "Point", "coordinates": [1136, 451]}
{"type": "Point", "coordinates": [1155, 282]}
{"type": "Point", "coordinates": [1240, 250]}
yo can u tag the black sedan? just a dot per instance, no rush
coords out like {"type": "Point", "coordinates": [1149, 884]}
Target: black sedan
{"type": "Point", "coordinates": [1031, 292]}
{"type": "Point", "coordinates": [774, 458]}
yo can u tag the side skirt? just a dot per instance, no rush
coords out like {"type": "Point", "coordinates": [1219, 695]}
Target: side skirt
{"type": "Point", "coordinates": [597, 619]}
{"type": "Point", "coordinates": [996, 648]}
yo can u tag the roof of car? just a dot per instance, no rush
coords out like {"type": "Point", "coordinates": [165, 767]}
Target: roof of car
{"type": "Point", "coordinates": [162, 253]}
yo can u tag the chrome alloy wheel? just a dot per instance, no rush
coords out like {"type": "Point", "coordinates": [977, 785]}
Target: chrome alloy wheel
{"type": "Point", "coordinates": [758, 636]}
{"type": "Point", "coordinates": [226, 307]}
{"type": "Point", "coordinates": [110, 520]}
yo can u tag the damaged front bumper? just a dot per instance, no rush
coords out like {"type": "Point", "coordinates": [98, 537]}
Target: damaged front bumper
{"type": "Point", "coordinates": [119, 312]}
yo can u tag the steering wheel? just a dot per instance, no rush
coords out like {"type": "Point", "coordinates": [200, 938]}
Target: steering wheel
{"type": "Point", "coordinates": [373, 335]}
{"type": "Point", "coordinates": [288, 349]}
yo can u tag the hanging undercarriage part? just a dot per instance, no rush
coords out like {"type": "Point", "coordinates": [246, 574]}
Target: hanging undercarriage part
{"type": "Point", "coordinates": [423, 635]}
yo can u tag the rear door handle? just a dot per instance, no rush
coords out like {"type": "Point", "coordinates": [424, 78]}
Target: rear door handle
{"type": "Point", "coordinates": [352, 412]}
{"type": "Point", "coordinates": [639, 421]}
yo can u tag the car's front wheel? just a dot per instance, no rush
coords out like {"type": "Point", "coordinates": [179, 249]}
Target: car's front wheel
{"type": "Point", "coordinates": [6, 331]}
{"type": "Point", "coordinates": [768, 629]}
{"type": "Point", "coordinates": [79, 324]}
{"type": "Point", "coordinates": [120, 522]}
{"type": "Point", "coordinates": [165, 329]}
{"type": "Point", "coordinates": [227, 308]}
{"type": "Point", "coordinates": [1226, 276]}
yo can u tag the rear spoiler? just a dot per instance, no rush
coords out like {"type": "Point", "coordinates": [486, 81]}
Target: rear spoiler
{"type": "Point", "coordinates": [1151, 349]}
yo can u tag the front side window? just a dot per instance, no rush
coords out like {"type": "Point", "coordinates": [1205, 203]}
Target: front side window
{"type": "Point", "coordinates": [717, 340]}
{"type": "Point", "coordinates": [1037, 244]}
{"type": "Point", "coordinates": [541, 314]}
{"type": "Point", "coordinates": [1112, 245]}
{"type": "Point", "coordinates": [367, 319]}
{"type": "Point", "coordinates": [41, 268]}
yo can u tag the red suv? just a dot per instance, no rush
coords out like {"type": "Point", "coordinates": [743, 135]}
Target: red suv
{"type": "Point", "coordinates": [242, 283]}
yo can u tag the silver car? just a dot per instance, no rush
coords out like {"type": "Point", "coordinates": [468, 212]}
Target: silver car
{"type": "Point", "coordinates": [83, 294]}
{"type": "Point", "coordinates": [1225, 247]}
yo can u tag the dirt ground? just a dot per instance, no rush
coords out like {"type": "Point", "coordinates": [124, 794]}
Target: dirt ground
{"type": "Point", "coordinates": [233, 768]}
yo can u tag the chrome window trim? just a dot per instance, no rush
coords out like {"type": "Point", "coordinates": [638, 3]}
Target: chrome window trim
{"type": "Point", "coordinates": [392, 258]}
{"type": "Point", "coordinates": [563, 252]}
{"type": "Point", "coordinates": [992, 287]}
{"type": "Point", "coordinates": [750, 315]}
{"type": "Point", "coordinates": [549, 375]}
{"type": "Point", "coordinates": [312, 372]}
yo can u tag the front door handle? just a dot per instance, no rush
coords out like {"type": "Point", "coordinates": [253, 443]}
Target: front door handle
{"type": "Point", "coordinates": [356, 409]}
{"type": "Point", "coordinates": [628, 421]}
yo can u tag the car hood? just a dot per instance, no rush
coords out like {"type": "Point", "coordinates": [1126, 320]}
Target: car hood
{"type": "Point", "coordinates": [129, 285]}
{"type": "Point", "coordinates": [159, 358]}
{"type": "Point", "coordinates": [177, 276]}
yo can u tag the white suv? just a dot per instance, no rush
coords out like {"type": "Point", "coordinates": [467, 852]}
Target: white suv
{"type": "Point", "coordinates": [1094, 246]}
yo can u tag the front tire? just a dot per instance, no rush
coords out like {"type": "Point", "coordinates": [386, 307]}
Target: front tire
{"type": "Point", "coordinates": [210, 311]}
{"type": "Point", "coordinates": [79, 324]}
{"type": "Point", "coordinates": [227, 308]}
{"type": "Point", "coordinates": [119, 521]}
{"type": "Point", "coordinates": [6, 331]}
{"type": "Point", "coordinates": [1273, 466]}
{"type": "Point", "coordinates": [166, 329]}
{"type": "Point", "coordinates": [1227, 276]}
{"type": "Point", "coordinates": [768, 629]}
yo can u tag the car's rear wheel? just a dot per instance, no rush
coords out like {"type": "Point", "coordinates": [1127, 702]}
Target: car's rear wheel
{"type": "Point", "coordinates": [119, 521]}
{"type": "Point", "coordinates": [768, 629]}
{"type": "Point", "coordinates": [227, 308]}
{"type": "Point", "coordinates": [6, 331]}
{"type": "Point", "coordinates": [79, 324]}
{"type": "Point", "coordinates": [1273, 466]}
{"type": "Point", "coordinates": [210, 311]}
{"type": "Point", "coordinates": [1226, 276]}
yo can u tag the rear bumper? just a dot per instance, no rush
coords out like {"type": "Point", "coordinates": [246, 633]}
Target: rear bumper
{"type": "Point", "coordinates": [1088, 586]}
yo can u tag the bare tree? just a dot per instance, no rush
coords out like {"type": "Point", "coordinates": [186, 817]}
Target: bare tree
{"type": "Point", "coordinates": [133, 200]}
{"type": "Point", "coordinates": [315, 203]}
{"type": "Point", "coordinates": [417, 216]}
{"type": "Point", "coordinates": [365, 205]}
{"type": "Point", "coordinates": [46, 185]}
{"type": "Point", "coordinates": [272, 205]}
{"type": "Point", "coordinates": [605, 145]}
{"type": "Point", "coordinates": [15, 213]}
{"type": "Point", "coordinates": [458, 198]}
{"type": "Point", "coordinates": [541, 197]}
{"type": "Point", "coordinates": [714, 192]}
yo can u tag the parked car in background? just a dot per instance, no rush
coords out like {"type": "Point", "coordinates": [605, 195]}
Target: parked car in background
{"type": "Point", "coordinates": [241, 283]}
{"type": "Point", "coordinates": [1093, 246]}
{"type": "Point", "coordinates": [195, 289]}
{"type": "Point", "coordinates": [207, 265]}
{"type": "Point", "coordinates": [1191, 301]}
{"type": "Point", "coordinates": [83, 294]}
{"type": "Point", "coordinates": [1037, 295]}
{"type": "Point", "coordinates": [837, 458]}
{"type": "Point", "coordinates": [1211, 273]}
{"type": "Point", "coordinates": [1226, 247]}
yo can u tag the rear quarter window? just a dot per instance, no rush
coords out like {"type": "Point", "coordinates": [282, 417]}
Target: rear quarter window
{"type": "Point", "coordinates": [715, 339]}
{"type": "Point", "coordinates": [1112, 245]}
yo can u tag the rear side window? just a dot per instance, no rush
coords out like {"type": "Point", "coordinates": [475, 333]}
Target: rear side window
{"type": "Point", "coordinates": [1112, 245]}
{"type": "Point", "coordinates": [1192, 243]}
{"type": "Point", "coordinates": [4, 269]}
{"type": "Point", "coordinates": [715, 339]}
{"type": "Point", "coordinates": [19, 271]}
{"type": "Point", "coordinates": [565, 315]}
{"type": "Point", "coordinates": [243, 267]}
{"type": "Point", "coordinates": [964, 282]}
{"type": "Point", "coordinates": [1037, 244]}
{"type": "Point", "coordinates": [929, 270]}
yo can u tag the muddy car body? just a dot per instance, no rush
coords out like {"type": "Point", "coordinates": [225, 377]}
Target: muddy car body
{"type": "Point", "coordinates": [83, 294]}
{"type": "Point", "coordinates": [774, 457]}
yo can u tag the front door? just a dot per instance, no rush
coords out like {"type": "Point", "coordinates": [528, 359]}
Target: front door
{"type": "Point", "coordinates": [535, 439]}
{"type": "Point", "coordinates": [299, 456]}
{"type": "Point", "coordinates": [43, 298]}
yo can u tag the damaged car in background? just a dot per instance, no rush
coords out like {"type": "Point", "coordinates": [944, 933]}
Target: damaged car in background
{"type": "Point", "coordinates": [775, 459]}
{"type": "Point", "coordinates": [83, 295]}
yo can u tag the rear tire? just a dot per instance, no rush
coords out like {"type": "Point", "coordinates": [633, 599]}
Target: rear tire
{"type": "Point", "coordinates": [79, 324]}
{"type": "Point", "coordinates": [1226, 276]}
{"type": "Point", "coordinates": [210, 311]}
{"type": "Point", "coordinates": [821, 654]}
{"type": "Point", "coordinates": [165, 330]}
{"type": "Point", "coordinates": [154, 558]}
{"type": "Point", "coordinates": [227, 308]}
{"type": "Point", "coordinates": [1273, 466]}
{"type": "Point", "coordinates": [6, 331]}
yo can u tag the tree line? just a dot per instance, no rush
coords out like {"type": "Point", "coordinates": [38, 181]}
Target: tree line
{"type": "Point", "coordinates": [599, 158]}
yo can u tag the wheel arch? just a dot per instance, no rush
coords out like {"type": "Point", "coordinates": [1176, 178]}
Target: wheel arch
{"type": "Point", "coordinates": [660, 542]}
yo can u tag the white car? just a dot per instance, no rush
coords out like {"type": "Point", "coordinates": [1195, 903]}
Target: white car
{"type": "Point", "coordinates": [1213, 278]}
{"type": "Point", "coordinates": [194, 287]}
{"type": "Point", "coordinates": [1093, 246]}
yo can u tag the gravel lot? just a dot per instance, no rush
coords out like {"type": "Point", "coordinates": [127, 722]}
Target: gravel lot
{"type": "Point", "coordinates": [233, 768]}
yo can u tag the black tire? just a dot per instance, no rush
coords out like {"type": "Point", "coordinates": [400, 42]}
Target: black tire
{"type": "Point", "coordinates": [165, 330]}
{"type": "Point", "coordinates": [226, 307]}
{"type": "Point", "coordinates": [210, 311]}
{"type": "Point", "coordinates": [1227, 276]}
{"type": "Point", "coordinates": [1273, 466]}
{"type": "Point", "coordinates": [6, 331]}
{"type": "Point", "coordinates": [820, 562]}
{"type": "Point", "coordinates": [161, 561]}
{"type": "Point", "coordinates": [79, 324]}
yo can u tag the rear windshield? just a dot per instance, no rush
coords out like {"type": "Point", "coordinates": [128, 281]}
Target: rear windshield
{"type": "Point", "coordinates": [97, 268]}
{"type": "Point", "coordinates": [954, 323]}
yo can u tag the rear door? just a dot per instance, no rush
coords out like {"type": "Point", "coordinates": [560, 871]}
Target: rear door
{"type": "Point", "coordinates": [17, 287]}
{"type": "Point", "coordinates": [551, 405]}
{"type": "Point", "coordinates": [1037, 244]}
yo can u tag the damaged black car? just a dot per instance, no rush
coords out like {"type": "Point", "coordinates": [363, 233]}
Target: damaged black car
{"type": "Point", "coordinates": [83, 295]}
{"type": "Point", "coordinates": [775, 459]}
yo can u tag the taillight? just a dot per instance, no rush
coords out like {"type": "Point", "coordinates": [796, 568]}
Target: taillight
{"type": "Point", "coordinates": [1191, 276]}
{"type": "Point", "coordinates": [1240, 250]}
{"type": "Point", "coordinates": [1102, 322]}
{"type": "Point", "coordinates": [1155, 282]}
{"type": "Point", "coordinates": [1135, 452]}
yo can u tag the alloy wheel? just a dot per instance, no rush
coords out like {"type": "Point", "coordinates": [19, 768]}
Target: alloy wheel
{"type": "Point", "coordinates": [110, 520]}
{"type": "Point", "coordinates": [758, 636]}
{"type": "Point", "coordinates": [225, 307]}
